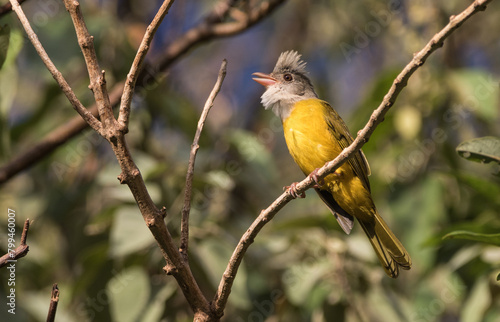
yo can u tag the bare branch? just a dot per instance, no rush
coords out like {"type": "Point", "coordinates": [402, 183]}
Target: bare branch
{"type": "Point", "coordinates": [77, 105]}
{"type": "Point", "coordinates": [176, 50]}
{"type": "Point", "coordinates": [132, 76]}
{"type": "Point", "coordinates": [192, 157]}
{"type": "Point", "coordinates": [130, 174]}
{"type": "Point", "coordinates": [213, 27]}
{"type": "Point", "coordinates": [154, 219]}
{"type": "Point", "coordinates": [96, 75]}
{"type": "Point", "coordinates": [20, 250]}
{"type": "Point", "coordinates": [6, 8]}
{"type": "Point", "coordinates": [376, 118]}
{"type": "Point", "coordinates": [54, 300]}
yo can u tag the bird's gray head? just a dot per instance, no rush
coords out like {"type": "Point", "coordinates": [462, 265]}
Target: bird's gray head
{"type": "Point", "coordinates": [286, 85]}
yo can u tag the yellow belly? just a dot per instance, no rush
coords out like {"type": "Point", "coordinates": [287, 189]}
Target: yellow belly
{"type": "Point", "coordinates": [311, 144]}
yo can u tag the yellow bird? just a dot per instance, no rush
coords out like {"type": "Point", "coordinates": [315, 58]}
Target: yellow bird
{"type": "Point", "coordinates": [315, 134]}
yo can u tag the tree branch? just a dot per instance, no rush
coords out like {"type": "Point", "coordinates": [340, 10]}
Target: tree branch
{"type": "Point", "coordinates": [214, 27]}
{"type": "Point", "coordinates": [130, 174]}
{"type": "Point", "coordinates": [96, 75]}
{"type": "Point", "coordinates": [192, 157]}
{"type": "Point", "coordinates": [20, 250]}
{"type": "Point", "coordinates": [154, 218]}
{"type": "Point", "coordinates": [77, 105]}
{"type": "Point", "coordinates": [54, 300]}
{"type": "Point", "coordinates": [132, 76]}
{"type": "Point", "coordinates": [173, 52]}
{"type": "Point", "coordinates": [6, 8]}
{"type": "Point", "coordinates": [376, 118]}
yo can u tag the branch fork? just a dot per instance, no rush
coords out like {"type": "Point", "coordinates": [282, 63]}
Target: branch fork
{"type": "Point", "coordinates": [20, 251]}
{"type": "Point", "coordinates": [114, 131]}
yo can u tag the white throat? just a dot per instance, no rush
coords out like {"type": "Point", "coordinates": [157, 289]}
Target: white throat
{"type": "Point", "coordinates": [280, 101]}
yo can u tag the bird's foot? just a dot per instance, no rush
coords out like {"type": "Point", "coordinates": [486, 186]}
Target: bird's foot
{"type": "Point", "coordinates": [292, 190]}
{"type": "Point", "coordinates": [314, 175]}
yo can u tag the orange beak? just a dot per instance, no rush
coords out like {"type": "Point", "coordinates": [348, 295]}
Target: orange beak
{"type": "Point", "coordinates": [264, 79]}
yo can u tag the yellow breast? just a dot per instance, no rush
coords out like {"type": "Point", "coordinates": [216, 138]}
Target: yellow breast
{"type": "Point", "coordinates": [308, 137]}
{"type": "Point", "coordinates": [311, 143]}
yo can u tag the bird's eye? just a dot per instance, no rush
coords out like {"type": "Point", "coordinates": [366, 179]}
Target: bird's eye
{"type": "Point", "coordinates": [288, 77]}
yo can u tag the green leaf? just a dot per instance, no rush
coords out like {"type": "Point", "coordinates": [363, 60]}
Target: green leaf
{"type": "Point", "coordinates": [426, 200]}
{"type": "Point", "coordinates": [304, 280]}
{"type": "Point", "coordinates": [253, 151]}
{"type": "Point", "coordinates": [129, 232]}
{"type": "Point", "coordinates": [213, 254]}
{"type": "Point", "coordinates": [477, 302]}
{"type": "Point", "coordinates": [4, 43]}
{"type": "Point", "coordinates": [484, 187]}
{"type": "Point", "coordinates": [493, 239]}
{"type": "Point", "coordinates": [156, 306]}
{"type": "Point", "coordinates": [485, 149]}
{"type": "Point", "coordinates": [475, 91]}
{"type": "Point", "coordinates": [128, 293]}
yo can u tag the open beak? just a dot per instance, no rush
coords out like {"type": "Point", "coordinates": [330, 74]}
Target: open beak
{"type": "Point", "coordinates": [264, 79]}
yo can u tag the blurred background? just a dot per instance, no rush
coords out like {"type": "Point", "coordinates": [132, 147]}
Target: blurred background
{"type": "Point", "coordinates": [88, 236]}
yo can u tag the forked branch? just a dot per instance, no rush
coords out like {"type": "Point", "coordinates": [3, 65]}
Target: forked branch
{"type": "Point", "coordinates": [130, 175]}
{"type": "Point", "coordinates": [210, 28]}
{"type": "Point", "coordinates": [376, 118]}
{"type": "Point", "coordinates": [96, 75]}
{"type": "Point", "coordinates": [19, 251]}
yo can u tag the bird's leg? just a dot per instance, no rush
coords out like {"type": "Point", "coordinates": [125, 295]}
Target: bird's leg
{"type": "Point", "coordinates": [292, 190]}
{"type": "Point", "coordinates": [321, 182]}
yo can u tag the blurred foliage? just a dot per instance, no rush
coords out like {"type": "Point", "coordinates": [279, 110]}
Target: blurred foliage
{"type": "Point", "coordinates": [4, 43]}
{"type": "Point", "coordinates": [87, 233]}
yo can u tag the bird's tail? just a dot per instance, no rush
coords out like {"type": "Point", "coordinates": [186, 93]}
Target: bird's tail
{"type": "Point", "coordinates": [390, 251]}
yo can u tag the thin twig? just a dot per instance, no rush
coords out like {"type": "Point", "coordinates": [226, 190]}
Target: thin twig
{"type": "Point", "coordinates": [54, 300]}
{"type": "Point", "coordinates": [133, 74]}
{"type": "Point", "coordinates": [183, 249]}
{"type": "Point", "coordinates": [19, 251]}
{"type": "Point", "coordinates": [96, 75]}
{"type": "Point", "coordinates": [24, 235]}
{"type": "Point", "coordinates": [172, 53]}
{"type": "Point", "coordinates": [6, 8]}
{"type": "Point", "coordinates": [376, 118]}
{"type": "Point", "coordinates": [77, 105]}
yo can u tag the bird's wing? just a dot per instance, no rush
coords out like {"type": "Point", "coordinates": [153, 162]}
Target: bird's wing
{"type": "Point", "coordinates": [345, 220]}
{"type": "Point", "coordinates": [343, 137]}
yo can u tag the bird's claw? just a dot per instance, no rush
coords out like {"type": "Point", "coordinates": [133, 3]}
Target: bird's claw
{"type": "Point", "coordinates": [292, 190]}
{"type": "Point", "coordinates": [319, 182]}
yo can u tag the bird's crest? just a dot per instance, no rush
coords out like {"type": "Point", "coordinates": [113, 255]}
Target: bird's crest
{"type": "Point", "coordinates": [290, 60]}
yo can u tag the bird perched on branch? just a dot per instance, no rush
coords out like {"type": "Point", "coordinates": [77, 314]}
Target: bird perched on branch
{"type": "Point", "coordinates": [315, 134]}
